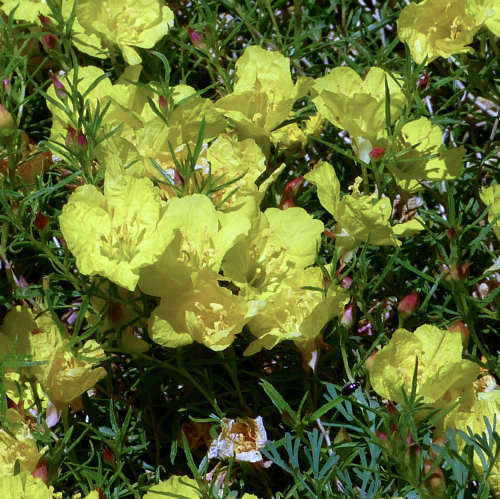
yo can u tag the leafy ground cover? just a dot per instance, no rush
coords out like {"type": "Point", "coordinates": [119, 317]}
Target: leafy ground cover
{"type": "Point", "coordinates": [249, 249]}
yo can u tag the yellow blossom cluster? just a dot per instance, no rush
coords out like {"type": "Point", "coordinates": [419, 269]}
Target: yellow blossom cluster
{"type": "Point", "coordinates": [443, 378]}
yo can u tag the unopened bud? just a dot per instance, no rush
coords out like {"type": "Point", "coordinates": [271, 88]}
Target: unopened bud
{"type": "Point", "coordinates": [451, 233]}
{"type": "Point", "coordinates": [7, 85]}
{"type": "Point", "coordinates": [178, 180]}
{"type": "Point", "coordinates": [435, 484]}
{"type": "Point", "coordinates": [349, 315]}
{"type": "Point", "coordinates": [460, 327]}
{"type": "Point", "coordinates": [162, 101]}
{"type": "Point", "coordinates": [41, 221]}
{"type": "Point", "coordinates": [195, 37]}
{"type": "Point", "coordinates": [41, 471]}
{"type": "Point", "coordinates": [292, 187]}
{"type": "Point", "coordinates": [329, 234]}
{"type": "Point", "coordinates": [409, 304]}
{"type": "Point", "coordinates": [423, 81]}
{"type": "Point", "coordinates": [46, 21]}
{"type": "Point", "coordinates": [107, 455]}
{"type": "Point", "coordinates": [286, 203]}
{"type": "Point", "coordinates": [346, 282]}
{"type": "Point", "coordinates": [81, 140]}
{"type": "Point", "coordinates": [383, 437]}
{"type": "Point", "coordinates": [70, 137]}
{"type": "Point", "coordinates": [59, 88]}
{"type": "Point", "coordinates": [377, 152]}
{"type": "Point", "coordinates": [49, 42]}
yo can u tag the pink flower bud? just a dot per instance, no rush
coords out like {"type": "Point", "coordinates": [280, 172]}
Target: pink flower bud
{"type": "Point", "coordinates": [46, 21]}
{"type": "Point", "coordinates": [58, 87]}
{"type": "Point", "coordinates": [292, 187]}
{"type": "Point", "coordinates": [349, 315]}
{"type": "Point", "coordinates": [49, 42]}
{"type": "Point", "coordinates": [409, 304]}
{"type": "Point", "coordinates": [162, 101]}
{"type": "Point", "coordinates": [7, 85]}
{"type": "Point", "coordinates": [41, 221]}
{"type": "Point", "coordinates": [286, 203]}
{"type": "Point", "coordinates": [377, 152]}
{"type": "Point", "coordinates": [346, 282]}
{"type": "Point", "coordinates": [195, 38]}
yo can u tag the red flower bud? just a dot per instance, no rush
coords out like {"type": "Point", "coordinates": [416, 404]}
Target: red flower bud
{"type": "Point", "coordinates": [46, 21]}
{"type": "Point", "coordinates": [49, 42]}
{"type": "Point", "coordinates": [292, 187]}
{"type": "Point", "coordinates": [100, 493]}
{"type": "Point", "coordinates": [41, 221]}
{"type": "Point", "coordinates": [329, 234]}
{"type": "Point", "coordinates": [81, 140]}
{"type": "Point", "coordinates": [107, 455]}
{"type": "Point", "coordinates": [41, 471]}
{"type": "Point", "coordinates": [377, 152]}
{"type": "Point", "coordinates": [423, 81]}
{"type": "Point", "coordinates": [286, 203]}
{"type": "Point", "coordinates": [451, 233]}
{"type": "Point", "coordinates": [409, 304]}
{"type": "Point", "coordinates": [162, 101]}
{"type": "Point", "coordinates": [58, 87]}
{"type": "Point", "coordinates": [460, 327]}
{"type": "Point", "coordinates": [195, 38]}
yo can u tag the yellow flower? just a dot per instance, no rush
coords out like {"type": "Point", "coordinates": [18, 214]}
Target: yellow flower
{"type": "Point", "coordinates": [115, 234]}
{"type": "Point", "coordinates": [359, 217]}
{"type": "Point", "coordinates": [358, 105]}
{"type": "Point", "coordinates": [29, 10]}
{"type": "Point", "coordinates": [487, 12]}
{"type": "Point", "coordinates": [68, 376]}
{"type": "Point", "coordinates": [278, 242]}
{"type": "Point", "coordinates": [17, 444]}
{"type": "Point", "coordinates": [202, 311]}
{"type": "Point", "coordinates": [200, 237]}
{"type": "Point", "coordinates": [294, 312]}
{"type": "Point", "coordinates": [25, 486]}
{"type": "Point", "coordinates": [486, 405]}
{"type": "Point", "coordinates": [127, 23]}
{"type": "Point", "coordinates": [149, 137]}
{"type": "Point", "coordinates": [421, 139]}
{"type": "Point", "coordinates": [263, 96]}
{"type": "Point", "coordinates": [180, 487]}
{"type": "Point", "coordinates": [442, 376]}
{"type": "Point", "coordinates": [491, 198]}
{"type": "Point", "coordinates": [437, 28]}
